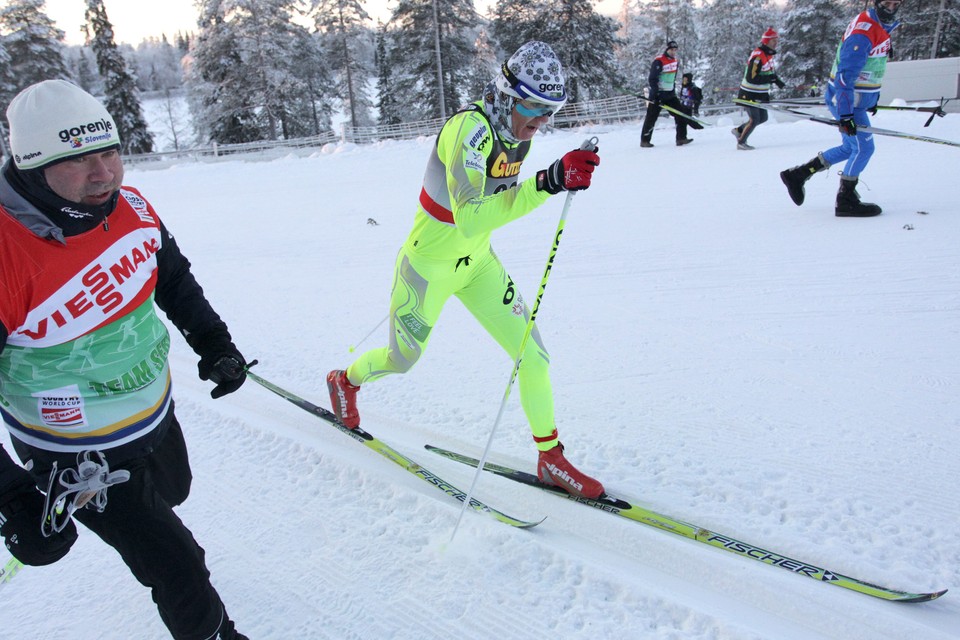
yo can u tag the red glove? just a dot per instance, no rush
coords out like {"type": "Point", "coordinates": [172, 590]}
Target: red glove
{"type": "Point", "coordinates": [572, 172]}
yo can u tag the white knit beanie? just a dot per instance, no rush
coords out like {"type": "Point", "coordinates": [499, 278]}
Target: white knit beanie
{"type": "Point", "coordinates": [54, 120]}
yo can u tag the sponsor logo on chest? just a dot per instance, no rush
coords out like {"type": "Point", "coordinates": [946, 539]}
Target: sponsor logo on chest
{"type": "Point", "coordinates": [117, 277]}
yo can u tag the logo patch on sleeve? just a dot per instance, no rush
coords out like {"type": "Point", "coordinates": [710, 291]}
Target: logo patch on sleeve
{"type": "Point", "coordinates": [479, 137]}
{"type": "Point", "coordinates": [475, 161]}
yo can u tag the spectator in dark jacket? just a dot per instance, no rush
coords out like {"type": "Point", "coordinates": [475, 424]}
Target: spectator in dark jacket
{"type": "Point", "coordinates": [663, 80]}
{"type": "Point", "coordinates": [690, 95]}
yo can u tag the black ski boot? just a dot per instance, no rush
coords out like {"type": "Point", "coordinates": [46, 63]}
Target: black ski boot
{"type": "Point", "coordinates": [848, 201]}
{"type": "Point", "coordinates": [795, 177]}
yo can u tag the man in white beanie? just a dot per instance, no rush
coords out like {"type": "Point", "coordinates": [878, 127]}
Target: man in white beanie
{"type": "Point", "coordinates": [85, 388]}
{"type": "Point", "coordinates": [471, 187]}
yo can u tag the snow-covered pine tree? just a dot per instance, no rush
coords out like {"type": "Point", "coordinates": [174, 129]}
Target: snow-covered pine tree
{"type": "Point", "coordinates": [929, 29]}
{"type": "Point", "coordinates": [730, 30]}
{"type": "Point", "coordinates": [387, 103]}
{"type": "Point", "coordinates": [412, 55]}
{"type": "Point", "coordinates": [487, 59]}
{"type": "Point", "coordinates": [641, 41]}
{"type": "Point", "coordinates": [808, 44]}
{"type": "Point", "coordinates": [7, 87]}
{"type": "Point", "coordinates": [122, 98]}
{"type": "Point", "coordinates": [85, 71]}
{"type": "Point", "coordinates": [584, 40]}
{"type": "Point", "coordinates": [158, 65]}
{"type": "Point", "coordinates": [946, 32]}
{"type": "Point", "coordinates": [341, 25]}
{"type": "Point", "coordinates": [282, 99]}
{"type": "Point", "coordinates": [677, 20]}
{"type": "Point", "coordinates": [34, 46]}
{"type": "Point", "coordinates": [518, 21]}
{"type": "Point", "coordinates": [586, 43]}
{"type": "Point", "coordinates": [220, 99]}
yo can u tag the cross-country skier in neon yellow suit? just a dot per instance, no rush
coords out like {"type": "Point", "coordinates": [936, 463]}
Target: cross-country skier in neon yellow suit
{"type": "Point", "coordinates": [471, 187]}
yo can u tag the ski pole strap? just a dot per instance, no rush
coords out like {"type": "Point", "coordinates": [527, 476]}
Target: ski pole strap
{"type": "Point", "coordinates": [75, 488]}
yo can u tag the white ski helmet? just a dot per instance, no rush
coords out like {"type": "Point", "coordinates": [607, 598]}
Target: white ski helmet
{"type": "Point", "coordinates": [532, 73]}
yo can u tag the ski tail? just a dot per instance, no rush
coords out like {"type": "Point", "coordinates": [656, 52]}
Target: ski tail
{"type": "Point", "coordinates": [388, 452]}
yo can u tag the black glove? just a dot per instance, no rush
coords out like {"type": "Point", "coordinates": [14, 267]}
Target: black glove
{"type": "Point", "coordinates": [847, 126]}
{"type": "Point", "coordinates": [655, 97]}
{"type": "Point", "coordinates": [777, 81]}
{"type": "Point", "coordinates": [21, 512]}
{"type": "Point", "coordinates": [221, 362]}
{"type": "Point", "coordinates": [572, 172]}
{"type": "Point", "coordinates": [872, 110]}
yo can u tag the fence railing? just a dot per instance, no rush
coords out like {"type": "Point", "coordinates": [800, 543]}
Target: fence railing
{"type": "Point", "coordinates": [624, 108]}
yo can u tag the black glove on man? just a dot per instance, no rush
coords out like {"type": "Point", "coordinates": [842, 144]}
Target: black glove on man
{"type": "Point", "coordinates": [572, 172]}
{"type": "Point", "coordinates": [780, 83]}
{"type": "Point", "coordinates": [847, 126]}
{"type": "Point", "coordinates": [220, 362]}
{"type": "Point", "coordinates": [21, 512]}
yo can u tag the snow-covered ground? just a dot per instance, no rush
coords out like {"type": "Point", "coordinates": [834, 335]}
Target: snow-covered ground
{"type": "Point", "coordinates": [719, 355]}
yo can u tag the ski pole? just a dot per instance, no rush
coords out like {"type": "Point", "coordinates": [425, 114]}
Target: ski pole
{"type": "Point", "coordinates": [9, 570]}
{"type": "Point", "coordinates": [353, 347]}
{"type": "Point", "coordinates": [589, 143]}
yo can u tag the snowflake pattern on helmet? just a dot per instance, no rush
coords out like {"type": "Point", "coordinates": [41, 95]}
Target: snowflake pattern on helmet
{"type": "Point", "coordinates": [537, 68]}
{"type": "Point", "coordinates": [535, 65]}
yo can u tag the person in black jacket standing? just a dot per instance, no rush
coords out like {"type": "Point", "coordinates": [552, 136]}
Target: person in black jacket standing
{"type": "Point", "coordinates": [85, 388]}
{"type": "Point", "coordinates": [662, 80]}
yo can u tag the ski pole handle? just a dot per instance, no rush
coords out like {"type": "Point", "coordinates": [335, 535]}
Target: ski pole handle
{"type": "Point", "coordinates": [589, 144]}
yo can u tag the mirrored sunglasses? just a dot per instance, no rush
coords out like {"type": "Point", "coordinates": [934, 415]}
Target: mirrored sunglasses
{"type": "Point", "coordinates": [533, 109]}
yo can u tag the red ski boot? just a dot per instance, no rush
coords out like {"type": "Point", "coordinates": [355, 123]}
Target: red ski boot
{"type": "Point", "coordinates": [554, 469]}
{"type": "Point", "coordinates": [343, 397]}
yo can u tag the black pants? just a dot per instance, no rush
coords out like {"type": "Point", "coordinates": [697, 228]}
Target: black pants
{"type": "Point", "coordinates": [653, 112]}
{"type": "Point", "coordinates": [756, 116]}
{"type": "Point", "coordinates": [160, 551]}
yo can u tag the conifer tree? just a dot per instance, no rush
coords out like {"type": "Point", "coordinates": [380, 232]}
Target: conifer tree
{"type": "Point", "coordinates": [676, 21]}
{"type": "Point", "coordinates": [276, 91]}
{"type": "Point", "coordinates": [808, 44]}
{"type": "Point", "coordinates": [34, 46]}
{"type": "Point", "coordinates": [929, 29]}
{"type": "Point", "coordinates": [487, 59]}
{"type": "Point", "coordinates": [387, 103]}
{"type": "Point", "coordinates": [641, 41]}
{"type": "Point", "coordinates": [122, 98]}
{"type": "Point", "coordinates": [413, 55]}
{"type": "Point", "coordinates": [220, 99]}
{"type": "Point", "coordinates": [341, 25]}
{"type": "Point", "coordinates": [730, 30]}
{"type": "Point", "coordinates": [86, 73]}
{"type": "Point", "coordinates": [585, 41]}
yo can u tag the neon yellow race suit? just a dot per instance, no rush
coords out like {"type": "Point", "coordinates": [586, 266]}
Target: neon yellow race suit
{"type": "Point", "coordinates": [470, 187]}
